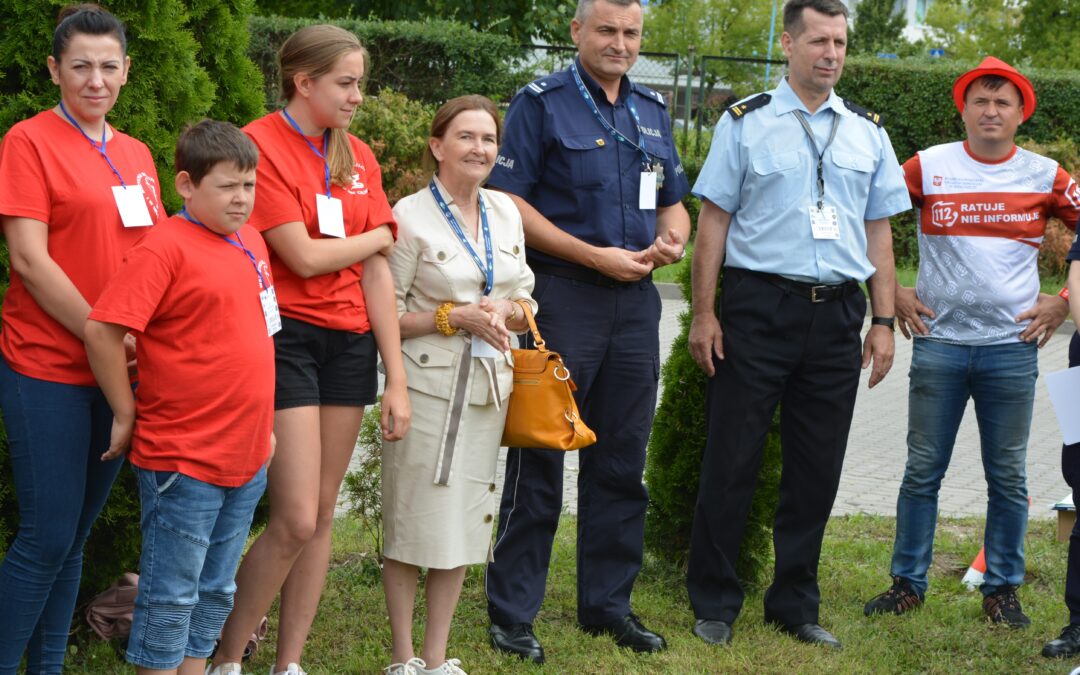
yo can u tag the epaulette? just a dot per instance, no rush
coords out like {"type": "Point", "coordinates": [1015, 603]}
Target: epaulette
{"type": "Point", "coordinates": [650, 94]}
{"type": "Point", "coordinates": [863, 112]}
{"type": "Point", "coordinates": [542, 85]}
{"type": "Point", "coordinates": [752, 103]}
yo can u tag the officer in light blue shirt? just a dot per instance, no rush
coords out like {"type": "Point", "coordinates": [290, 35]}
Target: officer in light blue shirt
{"type": "Point", "coordinates": [796, 195]}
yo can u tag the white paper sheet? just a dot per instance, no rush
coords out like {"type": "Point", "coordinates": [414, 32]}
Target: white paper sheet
{"type": "Point", "coordinates": [1064, 387]}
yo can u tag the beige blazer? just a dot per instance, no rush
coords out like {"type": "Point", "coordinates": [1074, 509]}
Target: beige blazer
{"type": "Point", "coordinates": [431, 266]}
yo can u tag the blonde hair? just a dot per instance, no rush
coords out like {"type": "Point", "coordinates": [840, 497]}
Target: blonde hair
{"type": "Point", "coordinates": [314, 50]}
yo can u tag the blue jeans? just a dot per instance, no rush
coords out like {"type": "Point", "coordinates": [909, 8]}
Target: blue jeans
{"type": "Point", "coordinates": [1001, 381]}
{"type": "Point", "coordinates": [56, 435]}
{"type": "Point", "coordinates": [193, 534]}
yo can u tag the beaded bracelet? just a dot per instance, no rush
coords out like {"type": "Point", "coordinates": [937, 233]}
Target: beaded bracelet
{"type": "Point", "coordinates": [442, 319]}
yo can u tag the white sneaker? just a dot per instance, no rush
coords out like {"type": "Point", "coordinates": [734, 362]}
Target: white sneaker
{"type": "Point", "coordinates": [451, 667]}
{"type": "Point", "coordinates": [291, 669]}
{"type": "Point", "coordinates": [224, 669]}
{"type": "Point", "coordinates": [408, 668]}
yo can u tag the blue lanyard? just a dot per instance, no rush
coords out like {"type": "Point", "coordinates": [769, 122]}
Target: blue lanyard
{"type": "Point", "coordinates": [618, 135]}
{"type": "Point", "coordinates": [99, 148]}
{"type": "Point", "coordinates": [322, 155]}
{"type": "Point", "coordinates": [239, 243]}
{"type": "Point", "coordinates": [489, 271]}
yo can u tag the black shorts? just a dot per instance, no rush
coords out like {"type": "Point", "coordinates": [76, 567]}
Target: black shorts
{"type": "Point", "coordinates": [323, 366]}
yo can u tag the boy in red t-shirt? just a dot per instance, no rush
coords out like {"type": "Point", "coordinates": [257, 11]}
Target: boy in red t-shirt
{"type": "Point", "coordinates": [198, 294]}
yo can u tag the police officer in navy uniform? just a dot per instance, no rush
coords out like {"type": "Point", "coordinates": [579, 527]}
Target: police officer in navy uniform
{"type": "Point", "coordinates": [797, 192]}
{"type": "Point", "coordinates": [588, 157]}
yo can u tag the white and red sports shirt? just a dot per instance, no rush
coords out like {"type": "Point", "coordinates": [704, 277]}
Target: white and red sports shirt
{"type": "Point", "coordinates": [980, 228]}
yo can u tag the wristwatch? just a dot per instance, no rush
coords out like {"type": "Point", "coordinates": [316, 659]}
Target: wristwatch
{"type": "Point", "coordinates": [887, 321]}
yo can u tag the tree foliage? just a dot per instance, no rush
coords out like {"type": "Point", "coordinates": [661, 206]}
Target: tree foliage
{"type": "Point", "coordinates": [716, 28]}
{"type": "Point", "coordinates": [969, 29]}
{"type": "Point", "coordinates": [521, 20]}
{"type": "Point", "coordinates": [877, 28]}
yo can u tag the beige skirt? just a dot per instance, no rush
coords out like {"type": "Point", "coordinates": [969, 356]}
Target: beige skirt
{"type": "Point", "coordinates": [441, 526]}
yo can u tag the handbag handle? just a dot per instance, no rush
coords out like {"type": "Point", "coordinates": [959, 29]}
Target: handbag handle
{"type": "Point", "coordinates": [527, 308]}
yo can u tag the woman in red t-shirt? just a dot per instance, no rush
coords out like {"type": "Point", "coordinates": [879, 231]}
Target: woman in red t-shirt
{"type": "Point", "coordinates": [75, 194]}
{"type": "Point", "coordinates": [321, 208]}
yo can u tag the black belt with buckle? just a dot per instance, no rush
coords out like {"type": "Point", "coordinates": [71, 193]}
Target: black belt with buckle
{"type": "Point", "coordinates": [583, 274]}
{"type": "Point", "coordinates": [813, 292]}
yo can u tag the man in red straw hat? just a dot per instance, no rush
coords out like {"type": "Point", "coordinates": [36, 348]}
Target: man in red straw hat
{"type": "Point", "coordinates": [978, 319]}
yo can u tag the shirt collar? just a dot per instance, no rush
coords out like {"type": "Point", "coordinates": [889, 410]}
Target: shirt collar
{"type": "Point", "coordinates": [447, 197]}
{"type": "Point", "coordinates": [786, 100]}
{"type": "Point", "coordinates": [598, 93]}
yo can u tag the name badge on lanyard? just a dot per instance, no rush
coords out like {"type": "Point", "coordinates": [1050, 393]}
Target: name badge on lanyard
{"type": "Point", "coordinates": [328, 209]}
{"type": "Point", "coordinates": [132, 206]}
{"type": "Point", "coordinates": [652, 175]}
{"type": "Point", "coordinates": [129, 198]}
{"type": "Point", "coordinates": [824, 222]}
{"type": "Point", "coordinates": [268, 298]}
{"type": "Point", "coordinates": [267, 295]}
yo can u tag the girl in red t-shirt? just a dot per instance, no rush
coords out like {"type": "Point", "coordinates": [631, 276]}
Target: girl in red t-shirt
{"type": "Point", "coordinates": [321, 208]}
{"type": "Point", "coordinates": [75, 194]}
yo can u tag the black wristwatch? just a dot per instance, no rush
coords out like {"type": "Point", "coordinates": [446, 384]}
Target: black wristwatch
{"type": "Point", "coordinates": [887, 321]}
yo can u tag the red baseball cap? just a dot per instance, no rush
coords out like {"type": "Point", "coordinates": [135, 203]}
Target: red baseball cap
{"type": "Point", "coordinates": [995, 66]}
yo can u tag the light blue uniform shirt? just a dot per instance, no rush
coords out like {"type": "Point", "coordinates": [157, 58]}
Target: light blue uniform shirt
{"type": "Point", "coordinates": [762, 169]}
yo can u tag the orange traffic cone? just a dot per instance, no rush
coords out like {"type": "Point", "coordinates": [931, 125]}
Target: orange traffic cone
{"type": "Point", "coordinates": [974, 576]}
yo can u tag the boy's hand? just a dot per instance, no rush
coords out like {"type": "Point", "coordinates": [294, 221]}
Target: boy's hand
{"type": "Point", "coordinates": [120, 440]}
{"type": "Point", "coordinates": [396, 412]}
{"type": "Point", "coordinates": [129, 352]}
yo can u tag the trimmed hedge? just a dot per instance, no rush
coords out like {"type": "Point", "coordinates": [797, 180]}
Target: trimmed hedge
{"type": "Point", "coordinates": [430, 61]}
{"type": "Point", "coordinates": [174, 79]}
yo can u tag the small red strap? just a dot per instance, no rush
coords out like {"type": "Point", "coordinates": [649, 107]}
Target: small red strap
{"type": "Point", "coordinates": [1064, 292]}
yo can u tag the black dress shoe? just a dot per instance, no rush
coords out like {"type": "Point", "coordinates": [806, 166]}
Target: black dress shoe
{"type": "Point", "coordinates": [812, 634]}
{"type": "Point", "coordinates": [517, 639]}
{"type": "Point", "coordinates": [713, 632]}
{"type": "Point", "coordinates": [628, 632]}
{"type": "Point", "coordinates": [1066, 644]}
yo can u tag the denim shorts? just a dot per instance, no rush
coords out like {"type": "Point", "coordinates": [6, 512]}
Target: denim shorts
{"type": "Point", "coordinates": [193, 534]}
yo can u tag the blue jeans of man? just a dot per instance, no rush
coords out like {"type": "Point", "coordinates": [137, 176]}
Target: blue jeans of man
{"type": "Point", "coordinates": [193, 534]}
{"type": "Point", "coordinates": [56, 435]}
{"type": "Point", "coordinates": [1000, 379]}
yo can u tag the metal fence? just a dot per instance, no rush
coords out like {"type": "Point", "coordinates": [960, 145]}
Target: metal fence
{"type": "Point", "coordinates": [697, 87]}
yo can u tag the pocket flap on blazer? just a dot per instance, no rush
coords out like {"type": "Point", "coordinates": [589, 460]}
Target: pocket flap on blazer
{"type": "Point", "coordinates": [427, 355]}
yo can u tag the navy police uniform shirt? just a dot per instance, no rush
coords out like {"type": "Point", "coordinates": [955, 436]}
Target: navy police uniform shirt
{"type": "Point", "coordinates": [556, 155]}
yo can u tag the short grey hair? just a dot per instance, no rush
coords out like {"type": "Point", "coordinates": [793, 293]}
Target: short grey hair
{"type": "Point", "coordinates": [585, 6]}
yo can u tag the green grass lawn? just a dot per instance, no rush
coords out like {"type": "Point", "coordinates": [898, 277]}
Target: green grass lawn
{"type": "Point", "coordinates": [948, 635]}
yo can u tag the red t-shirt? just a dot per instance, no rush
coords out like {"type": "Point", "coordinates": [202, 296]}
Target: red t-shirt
{"type": "Point", "coordinates": [205, 400]}
{"type": "Point", "coordinates": [49, 172]}
{"type": "Point", "coordinates": [289, 177]}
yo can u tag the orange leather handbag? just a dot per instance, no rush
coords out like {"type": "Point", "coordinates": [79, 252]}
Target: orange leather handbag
{"type": "Point", "coordinates": [542, 412]}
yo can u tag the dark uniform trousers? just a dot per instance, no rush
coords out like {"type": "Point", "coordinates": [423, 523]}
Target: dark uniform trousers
{"type": "Point", "coordinates": [608, 337]}
{"type": "Point", "coordinates": [779, 348]}
{"type": "Point", "coordinates": [1070, 469]}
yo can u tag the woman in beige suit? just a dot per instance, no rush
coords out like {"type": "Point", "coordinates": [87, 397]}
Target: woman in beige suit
{"type": "Point", "coordinates": [458, 267]}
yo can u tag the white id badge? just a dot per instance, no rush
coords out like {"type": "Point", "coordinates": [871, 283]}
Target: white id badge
{"type": "Point", "coordinates": [647, 196]}
{"type": "Point", "coordinates": [268, 298]}
{"type": "Point", "coordinates": [482, 349]}
{"type": "Point", "coordinates": [331, 220]}
{"type": "Point", "coordinates": [824, 222]}
{"type": "Point", "coordinates": [132, 206]}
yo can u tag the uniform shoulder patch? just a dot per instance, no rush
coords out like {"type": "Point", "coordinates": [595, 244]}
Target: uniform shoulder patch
{"type": "Point", "coordinates": [863, 112]}
{"type": "Point", "coordinates": [752, 103]}
{"type": "Point", "coordinates": [542, 85]}
{"type": "Point", "coordinates": [650, 94]}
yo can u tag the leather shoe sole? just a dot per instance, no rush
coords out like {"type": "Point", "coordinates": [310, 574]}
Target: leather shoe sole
{"type": "Point", "coordinates": [519, 641]}
{"type": "Point", "coordinates": [713, 632]}
{"type": "Point", "coordinates": [812, 634]}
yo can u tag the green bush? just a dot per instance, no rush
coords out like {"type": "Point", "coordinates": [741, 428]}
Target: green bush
{"type": "Point", "coordinates": [430, 61]}
{"type": "Point", "coordinates": [173, 80]}
{"type": "Point", "coordinates": [363, 485]}
{"type": "Point", "coordinates": [397, 130]}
